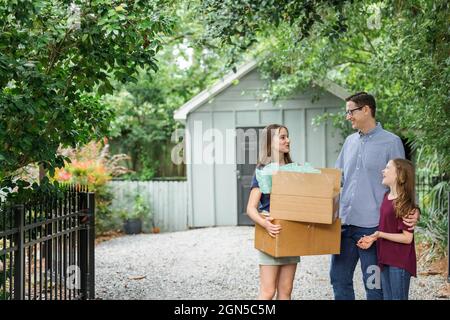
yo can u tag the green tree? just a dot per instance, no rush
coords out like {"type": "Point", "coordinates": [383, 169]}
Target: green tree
{"type": "Point", "coordinates": [144, 122]}
{"type": "Point", "coordinates": [56, 60]}
{"type": "Point", "coordinates": [395, 49]}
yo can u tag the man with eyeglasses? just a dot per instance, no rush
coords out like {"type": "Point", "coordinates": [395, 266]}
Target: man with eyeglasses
{"type": "Point", "coordinates": [364, 155]}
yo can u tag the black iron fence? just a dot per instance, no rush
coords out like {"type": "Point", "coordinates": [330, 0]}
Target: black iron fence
{"type": "Point", "coordinates": [425, 183]}
{"type": "Point", "coordinates": [47, 247]}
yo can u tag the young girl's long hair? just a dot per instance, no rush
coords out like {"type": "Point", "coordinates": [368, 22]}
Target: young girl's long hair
{"type": "Point", "coordinates": [406, 194]}
{"type": "Point", "coordinates": [265, 150]}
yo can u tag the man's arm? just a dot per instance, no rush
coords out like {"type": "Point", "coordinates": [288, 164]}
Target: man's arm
{"type": "Point", "coordinates": [412, 219]}
{"type": "Point", "coordinates": [340, 163]}
{"type": "Point", "coordinates": [397, 149]}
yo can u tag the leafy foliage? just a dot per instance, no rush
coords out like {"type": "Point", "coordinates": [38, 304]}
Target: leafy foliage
{"type": "Point", "coordinates": [93, 166]}
{"type": "Point", "coordinates": [144, 122]}
{"type": "Point", "coordinates": [141, 209]}
{"type": "Point", "coordinates": [56, 60]}
{"type": "Point", "coordinates": [397, 50]}
{"type": "Point", "coordinates": [433, 225]}
{"type": "Point", "coordinates": [240, 24]}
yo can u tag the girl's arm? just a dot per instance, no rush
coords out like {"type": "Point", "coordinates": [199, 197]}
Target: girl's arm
{"type": "Point", "coordinates": [252, 212]}
{"type": "Point", "coordinates": [405, 237]}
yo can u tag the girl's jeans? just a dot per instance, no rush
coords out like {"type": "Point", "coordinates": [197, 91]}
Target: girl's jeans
{"type": "Point", "coordinates": [395, 283]}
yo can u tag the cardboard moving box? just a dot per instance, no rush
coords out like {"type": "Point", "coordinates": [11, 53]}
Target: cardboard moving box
{"type": "Point", "coordinates": [306, 197]}
{"type": "Point", "coordinates": [300, 239]}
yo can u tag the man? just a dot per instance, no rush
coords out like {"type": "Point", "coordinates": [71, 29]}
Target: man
{"type": "Point", "coordinates": [362, 158]}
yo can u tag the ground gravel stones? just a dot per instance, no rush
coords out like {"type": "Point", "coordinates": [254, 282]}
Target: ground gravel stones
{"type": "Point", "coordinates": [211, 263]}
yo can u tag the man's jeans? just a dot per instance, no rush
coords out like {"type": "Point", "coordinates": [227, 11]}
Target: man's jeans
{"type": "Point", "coordinates": [395, 282]}
{"type": "Point", "coordinates": [343, 265]}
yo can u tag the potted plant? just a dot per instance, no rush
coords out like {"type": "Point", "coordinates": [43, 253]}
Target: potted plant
{"type": "Point", "coordinates": [154, 228]}
{"type": "Point", "coordinates": [133, 220]}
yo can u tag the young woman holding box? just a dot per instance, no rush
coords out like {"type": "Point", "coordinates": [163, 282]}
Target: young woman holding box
{"type": "Point", "coordinates": [276, 274]}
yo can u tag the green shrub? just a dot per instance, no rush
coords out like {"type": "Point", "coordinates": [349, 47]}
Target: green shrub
{"type": "Point", "coordinates": [141, 210]}
{"type": "Point", "coordinates": [433, 225]}
{"type": "Point", "coordinates": [93, 166]}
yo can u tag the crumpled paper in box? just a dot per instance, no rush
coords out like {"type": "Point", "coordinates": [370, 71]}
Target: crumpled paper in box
{"type": "Point", "coordinates": [264, 175]}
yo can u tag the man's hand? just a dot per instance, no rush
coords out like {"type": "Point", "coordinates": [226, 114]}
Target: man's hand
{"type": "Point", "coordinates": [272, 229]}
{"type": "Point", "coordinates": [412, 219]}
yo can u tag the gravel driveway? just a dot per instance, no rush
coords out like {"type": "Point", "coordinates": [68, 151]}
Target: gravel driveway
{"type": "Point", "coordinates": [210, 263]}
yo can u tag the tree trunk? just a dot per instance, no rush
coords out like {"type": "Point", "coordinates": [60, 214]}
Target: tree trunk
{"type": "Point", "coordinates": [41, 172]}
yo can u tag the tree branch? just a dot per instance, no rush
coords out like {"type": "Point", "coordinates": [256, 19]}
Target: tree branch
{"type": "Point", "coordinates": [359, 49]}
{"type": "Point", "coordinates": [370, 42]}
{"type": "Point", "coordinates": [54, 54]}
{"type": "Point", "coordinates": [69, 80]}
{"type": "Point", "coordinates": [181, 36]}
{"type": "Point", "coordinates": [351, 61]}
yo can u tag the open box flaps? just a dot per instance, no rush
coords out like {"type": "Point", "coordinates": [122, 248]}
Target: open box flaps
{"type": "Point", "coordinates": [306, 197]}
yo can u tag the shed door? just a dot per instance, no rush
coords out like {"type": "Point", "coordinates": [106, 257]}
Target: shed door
{"type": "Point", "coordinates": [247, 145]}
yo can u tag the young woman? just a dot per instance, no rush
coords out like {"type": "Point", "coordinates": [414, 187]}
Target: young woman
{"type": "Point", "coordinates": [395, 242]}
{"type": "Point", "coordinates": [276, 274]}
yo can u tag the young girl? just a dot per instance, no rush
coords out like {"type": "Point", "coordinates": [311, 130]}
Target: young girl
{"type": "Point", "coordinates": [276, 274]}
{"type": "Point", "coordinates": [395, 246]}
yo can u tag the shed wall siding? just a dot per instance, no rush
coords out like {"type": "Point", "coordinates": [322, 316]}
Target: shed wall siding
{"type": "Point", "coordinates": [202, 178]}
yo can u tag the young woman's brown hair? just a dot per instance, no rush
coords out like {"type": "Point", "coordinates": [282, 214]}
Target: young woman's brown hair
{"type": "Point", "coordinates": [405, 188]}
{"type": "Point", "coordinates": [265, 153]}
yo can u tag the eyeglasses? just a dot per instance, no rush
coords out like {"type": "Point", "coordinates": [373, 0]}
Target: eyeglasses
{"type": "Point", "coordinates": [350, 112]}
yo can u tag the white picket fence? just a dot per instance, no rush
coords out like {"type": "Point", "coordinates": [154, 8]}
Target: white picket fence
{"type": "Point", "coordinates": [168, 201]}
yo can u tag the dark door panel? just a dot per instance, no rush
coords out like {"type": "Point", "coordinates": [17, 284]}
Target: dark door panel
{"type": "Point", "coordinates": [247, 155]}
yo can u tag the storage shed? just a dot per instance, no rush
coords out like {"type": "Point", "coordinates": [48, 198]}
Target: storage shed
{"type": "Point", "coordinates": [220, 145]}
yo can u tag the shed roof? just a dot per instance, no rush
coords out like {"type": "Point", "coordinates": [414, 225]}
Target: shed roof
{"type": "Point", "coordinates": [222, 84]}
